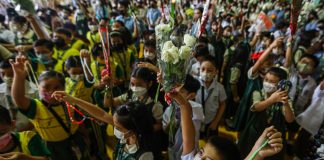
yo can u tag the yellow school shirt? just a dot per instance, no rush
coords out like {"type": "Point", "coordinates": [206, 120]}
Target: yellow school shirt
{"type": "Point", "coordinates": [80, 89]}
{"type": "Point", "coordinates": [124, 61]}
{"type": "Point", "coordinates": [79, 44]}
{"type": "Point", "coordinates": [46, 124]}
{"type": "Point", "coordinates": [63, 55]}
{"type": "Point", "coordinates": [93, 38]}
{"type": "Point", "coordinates": [58, 67]}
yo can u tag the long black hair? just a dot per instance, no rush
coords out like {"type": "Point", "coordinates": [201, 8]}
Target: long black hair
{"type": "Point", "coordinates": [147, 76]}
{"type": "Point", "coordinates": [136, 117]}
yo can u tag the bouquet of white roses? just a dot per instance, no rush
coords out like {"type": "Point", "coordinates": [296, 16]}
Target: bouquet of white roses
{"type": "Point", "coordinates": [174, 51]}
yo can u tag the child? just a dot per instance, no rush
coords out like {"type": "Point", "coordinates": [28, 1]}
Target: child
{"type": "Point", "coordinates": [212, 96]}
{"type": "Point", "coordinates": [270, 106]}
{"type": "Point", "coordinates": [45, 62]}
{"type": "Point", "coordinates": [143, 89]}
{"type": "Point", "coordinates": [47, 114]}
{"type": "Point", "coordinates": [93, 35]}
{"type": "Point", "coordinates": [19, 145]}
{"type": "Point", "coordinates": [79, 83]}
{"type": "Point", "coordinates": [62, 49]}
{"type": "Point", "coordinates": [132, 126]}
{"type": "Point", "coordinates": [200, 53]}
{"type": "Point", "coordinates": [220, 148]}
{"type": "Point", "coordinates": [188, 90]}
{"type": "Point", "coordinates": [6, 74]}
{"type": "Point", "coordinates": [303, 84]}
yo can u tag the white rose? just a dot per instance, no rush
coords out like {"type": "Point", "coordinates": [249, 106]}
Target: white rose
{"type": "Point", "coordinates": [189, 40]}
{"type": "Point", "coordinates": [170, 55]}
{"type": "Point", "coordinates": [184, 52]}
{"type": "Point", "coordinates": [162, 29]}
{"type": "Point", "coordinates": [167, 45]}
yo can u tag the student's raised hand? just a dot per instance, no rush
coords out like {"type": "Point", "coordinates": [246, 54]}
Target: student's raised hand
{"type": "Point", "coordinates": [175, 95]}
{"type": "Point", "coordinates": [62, 96]}
{"type": "Point", "coordinates": [107, 81]}
{"type": "Point", "coordinates": [279, 96]}
{"type": "Point", "coordinates": [84, 53]}
{"type": "Point", "coordinates": [274, 145]}
{"type": "Point", "coordinates": [18, 66]}
{"type": "Point", "coordinates": [277, 42]}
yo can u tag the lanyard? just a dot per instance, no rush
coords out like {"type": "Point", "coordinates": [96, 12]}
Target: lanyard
{"type": "Point", "coordinates": [299, 88]}
{"type": "Point", "coordinates": [203, 100]}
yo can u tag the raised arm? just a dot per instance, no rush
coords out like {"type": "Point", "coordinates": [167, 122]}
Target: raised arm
{"type": "Point", "coordinates": [91, 109]}
{"type": "Point", "coordinates": [289, 56]}
{"type": "Point", "coordinates": [264, 56]}
{"type": "Point", "coordinates": [188, 129]}
{"type": "Point", "coordinates": [41, 34]}
{"type": "Point", "coordinates": [18, 85]}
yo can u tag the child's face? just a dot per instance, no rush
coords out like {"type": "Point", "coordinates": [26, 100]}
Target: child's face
{"type": "Point", "coordinates": [47, 87]}
{"type": "Point", "coordinates": [42, 50]}
{"type": "Point", "coordinates": [306, 66]}
{"type": "Point", "coordinates": [184, 93]}
{"type": "Point", "coordinates": [137, 82]}
{"type": "Point", "coordinates": [6, 72]}
{"type": "Point", "coordinates": [209, 68]}
{"type": "Point", "coordinates": [209, 152]}
{"type": "Point", "coordinates": [75, 71]}
{"type": "Point", "coordinates": [272, 79]}
{"type": "Point", "coordinates": [265, 67]}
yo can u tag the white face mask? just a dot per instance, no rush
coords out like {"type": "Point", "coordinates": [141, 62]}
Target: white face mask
{"type": "Point", "coordinates": [7, 80]}
{"type": "Point", "coordinates": [277, 51]}
{"type": "Point", "coordinates": [131, 148]}
{"type": "Point", "coordinates": [268, 87]}
{"type": "Point", "coordinates": [206, 77]}
{"type": "Point", "coordinates": [138, 91]}
{"type": "Point", "coordinates": [118, 134]}
{"type": "Point", "coordinates": [77, 77]}
{"type": "Point", "coordinates": [149, 55]}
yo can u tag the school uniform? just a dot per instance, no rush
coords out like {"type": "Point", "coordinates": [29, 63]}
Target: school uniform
{"type": "Point", "coordinates": [7, 102]}
{"type": "Point", "coordinates": [210, 98]}
{"type": "Point", "coordinates": [30, 143]}
{"type": "Point", "coordinates": [175, 149]}
{"type": "Point", "coordinates": [50, 129]}
{"type": "Point", "coordinates": [301, 91]}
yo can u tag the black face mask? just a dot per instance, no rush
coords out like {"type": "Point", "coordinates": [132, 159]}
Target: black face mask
{"type": "Point", "coordinates": [117, 47]}
{"type": "Point", "coordinates": [59, 42]}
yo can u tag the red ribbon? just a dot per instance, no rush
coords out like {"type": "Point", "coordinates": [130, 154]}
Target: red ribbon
{"type": "Point", "coordinates": [256, 55]}
{"type": "Point", "coordinates": [106, 50]}
{"type": "Point", "coordinates": [84, 117]}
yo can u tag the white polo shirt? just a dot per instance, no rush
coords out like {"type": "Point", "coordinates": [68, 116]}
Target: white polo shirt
{"type": "Point", "coordinates": [213, 96]}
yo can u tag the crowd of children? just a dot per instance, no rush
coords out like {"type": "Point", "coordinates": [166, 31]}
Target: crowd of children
{"type": "Point", "coordinates": [59, 101]}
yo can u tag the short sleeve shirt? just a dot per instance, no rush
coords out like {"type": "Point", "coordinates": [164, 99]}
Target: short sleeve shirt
{"type": "Point", "coordinates": [213, 96]}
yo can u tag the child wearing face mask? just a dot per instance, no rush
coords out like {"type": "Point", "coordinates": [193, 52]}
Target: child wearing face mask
{"type": "Point", "coordinates": [93, 35]}
{"type": "Point", "coordinates": [6, 74]}
{"type": "Point", "coordinates": [143, 89]}
{"type": "Point", "coordinates": [212, 96]}
{"type": "Point", "coordinates": [48, 116]}
{"type": "Point", "coordinates": [217, 147]}
{"type": "Point", "coordinates": [26, 145]}
{"type": "Point", "coordinates": [270, 106]}
{"type": "Point", "coordinates": [172, 113]}
{"type": "Point", "coordinates": [62, 48]}
{"type": "Point", "coordinates": [79, 83]}
{"type": "Point", "coordinates": [45, 62]}
{"type": "Point", "coordinates": [132, 126]}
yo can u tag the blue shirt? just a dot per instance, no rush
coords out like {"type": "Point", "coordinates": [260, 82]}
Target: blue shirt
{"type": "Point", "coordinates": [152, 15]}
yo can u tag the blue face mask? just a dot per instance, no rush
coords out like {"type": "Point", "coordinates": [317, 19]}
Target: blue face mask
{"type": "Point", "coordinates": [44, 58]}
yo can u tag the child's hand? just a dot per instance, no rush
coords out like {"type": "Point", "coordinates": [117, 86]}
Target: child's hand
{"type": "Point", "coordinates": [147, 65]}
{"type": "Point", "coordinates": [13, 156]}
{"type": "Point", "coordinates": [85, 54]}
{"type": "Point", "coordinates": [18, 66]}
{"type": "Point", "coordinates": [62, 96]}
{"type": "Point", "coordinates": [107, 81]}
{"type": "Point", "coordinates": [175, 95]}
{"type": "Point", "coordinates": [277, 42]}
{"type": "Point", "coordinates": [159, 77]}
{"type": "Point", "coordinates": [274, 145]}
{"type": "Point", "coordinates": [279, 96]}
